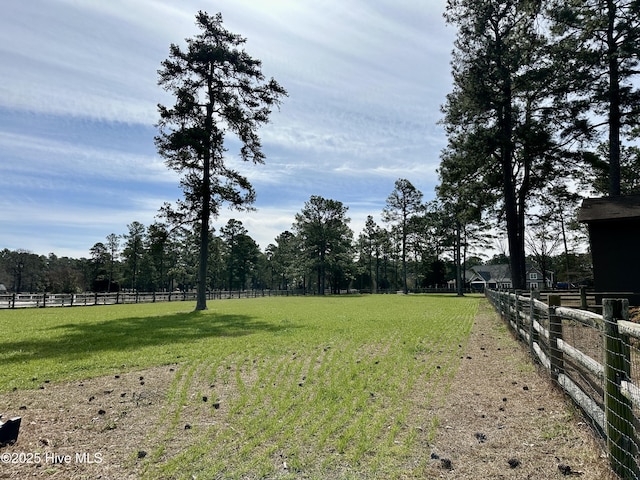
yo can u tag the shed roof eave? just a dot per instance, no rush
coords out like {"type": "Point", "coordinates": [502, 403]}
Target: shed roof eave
{"type": "Point", "coordinates": [609, 208]}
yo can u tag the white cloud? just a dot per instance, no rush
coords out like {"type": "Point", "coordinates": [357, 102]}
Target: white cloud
{"type": "Point", "coordinates": [365, 82]}
{"type": "Point", "coordinates": [63, 159]}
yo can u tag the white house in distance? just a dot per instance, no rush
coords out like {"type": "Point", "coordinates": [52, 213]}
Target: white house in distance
{"type": "Point", "coordinates": [482, 277]}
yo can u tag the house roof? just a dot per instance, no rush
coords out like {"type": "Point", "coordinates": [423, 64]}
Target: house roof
{"type": "Point", "coordinates": [487, 273]}
{"type": "Point", "coordinates": [492, 273]}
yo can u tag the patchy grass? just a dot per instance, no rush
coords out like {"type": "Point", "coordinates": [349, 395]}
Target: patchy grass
{"type": "Point", "coordinates": [57, 344]}
{"type": "Point", "coordinates": [333, 387]}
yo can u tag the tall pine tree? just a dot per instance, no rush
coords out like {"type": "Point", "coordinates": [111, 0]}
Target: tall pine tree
{"type": "Point", "coordinates": [325, 238]}
{"type": "Point", "coordinates": [218, 88]}
{"type": "Point", "coordinates": [500, 147]}
{"type": "Point", "coordinates": [402, 205]}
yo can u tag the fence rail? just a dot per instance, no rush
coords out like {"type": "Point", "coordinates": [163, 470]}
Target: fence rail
{"type": "Point", "coordinates": [41, 300]}
{"type": "Point", "coordinates": [595, 358]}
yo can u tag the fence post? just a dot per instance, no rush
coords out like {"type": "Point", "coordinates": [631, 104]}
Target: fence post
{"type": "Point", "coordinates": [516, 312]}
{"type": "Point", "coordinates": [583, 298]}
{"type": "Point", "coordinates": [618, 409]}
{"type": "Point", "coordinates": [555, 334]}
{"type": "Point", "coordinates": [506, 305]}
{"type": "Point", "coordinates": [533, 333]}
{"type": "Point", "coordinates": [13, 300]}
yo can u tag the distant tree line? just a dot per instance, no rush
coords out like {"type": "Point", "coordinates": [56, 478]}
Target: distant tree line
{"type": "Point", "coordinates": [414, 248]}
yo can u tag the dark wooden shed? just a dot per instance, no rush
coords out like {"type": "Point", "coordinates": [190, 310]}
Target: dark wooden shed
{"type": "Point", "coordinates": [614, 235]}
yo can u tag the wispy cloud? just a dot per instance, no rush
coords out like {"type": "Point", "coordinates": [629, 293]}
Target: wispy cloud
{"type": "Point", "coordinates": [63, 160]}
{"type": "Point", "coordinates": [79, 94]}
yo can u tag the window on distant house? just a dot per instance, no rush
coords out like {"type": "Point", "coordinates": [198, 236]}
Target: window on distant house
{"type": "Point", "coordinates": [533, 276]}
{"type": "Point", "coordinates": [533, 285]}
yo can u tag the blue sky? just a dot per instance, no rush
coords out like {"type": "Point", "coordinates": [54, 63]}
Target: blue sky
{"type": "Point", "coordinates": [78, 99]}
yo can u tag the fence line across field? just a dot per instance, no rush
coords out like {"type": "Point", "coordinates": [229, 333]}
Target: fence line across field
{"type": "Point", "coordinates": [594, 358]}
{"type": "Point", "coordinates": [41, 300]}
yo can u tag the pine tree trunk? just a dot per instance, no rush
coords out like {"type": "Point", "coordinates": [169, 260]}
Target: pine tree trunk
{"type": "Point", "coordinates": [201, 300]}
{"type": "Point", "coordinates": [405, 286]}
{"type": "Point", "coordinates": [459, 281]}
{"type": "Point", "coordinates": [515, 227]}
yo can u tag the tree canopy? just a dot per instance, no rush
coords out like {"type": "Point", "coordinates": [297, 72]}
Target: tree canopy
{"type": "Point", "coordinates": [598, 43]}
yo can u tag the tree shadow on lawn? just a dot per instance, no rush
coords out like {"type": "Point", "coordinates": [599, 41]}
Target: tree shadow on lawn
{"type": "Point", "coordinates": [76, 340]}
{"type": "Point", "coordinates": [466, 296]}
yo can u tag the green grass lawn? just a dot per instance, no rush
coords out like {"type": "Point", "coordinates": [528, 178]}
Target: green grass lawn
{"type": "Point", "coordinates": [305, 387]}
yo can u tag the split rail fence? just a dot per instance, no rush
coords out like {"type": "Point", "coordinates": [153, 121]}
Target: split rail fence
{"type": "Point", "coordinates": [594, 358]}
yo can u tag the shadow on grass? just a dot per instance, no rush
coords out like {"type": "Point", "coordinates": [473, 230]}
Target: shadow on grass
{"type": "Point", "coordinates": [466, 296]}
{"type": "Point", "coordinates": [126, 334]}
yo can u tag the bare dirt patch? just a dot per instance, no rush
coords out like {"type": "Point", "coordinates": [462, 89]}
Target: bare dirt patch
{"type": "Point", "coordinates": [94, 428]}
{"type": "Point", "coordinates": [502, 419]}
